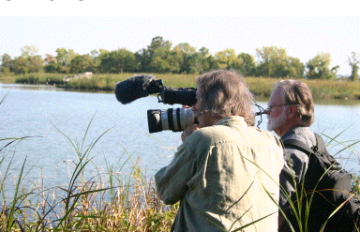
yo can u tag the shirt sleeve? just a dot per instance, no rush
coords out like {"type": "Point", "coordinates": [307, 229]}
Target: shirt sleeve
{"type": "Point", "coordinates": [171, 181]}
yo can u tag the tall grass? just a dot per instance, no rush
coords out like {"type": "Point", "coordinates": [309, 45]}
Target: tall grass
{"type": "Point", "coordinates": [106, 202]}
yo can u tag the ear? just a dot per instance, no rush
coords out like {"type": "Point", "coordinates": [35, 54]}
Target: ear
{"type": "Point", "coordinates": [291, 112]}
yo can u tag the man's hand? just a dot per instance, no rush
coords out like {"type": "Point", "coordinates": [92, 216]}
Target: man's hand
{"type": "Point", "coordinates": [188, 131]}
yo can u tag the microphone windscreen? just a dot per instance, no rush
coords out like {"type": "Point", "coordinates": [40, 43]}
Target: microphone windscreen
{"type": "Point", "coordinates": [133, 88]}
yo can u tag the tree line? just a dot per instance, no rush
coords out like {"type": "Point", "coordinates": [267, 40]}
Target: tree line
{"type": "Point", "coordinates": [161, 57]}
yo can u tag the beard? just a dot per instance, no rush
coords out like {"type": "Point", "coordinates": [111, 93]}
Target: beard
{"type": "Point", "coordinates": [275, 123]}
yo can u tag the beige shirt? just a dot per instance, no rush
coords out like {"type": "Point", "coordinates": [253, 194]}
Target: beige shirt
{"type": "Point", "coordinates": [226, 176]}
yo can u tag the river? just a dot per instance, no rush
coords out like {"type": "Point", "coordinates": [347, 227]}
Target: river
{"type": "Point", "coordinates": [56, 122]}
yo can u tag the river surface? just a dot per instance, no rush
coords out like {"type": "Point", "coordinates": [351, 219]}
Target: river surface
{"type": "Point", "coordinates": [56, 123]}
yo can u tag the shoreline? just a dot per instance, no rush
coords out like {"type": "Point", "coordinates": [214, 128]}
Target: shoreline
{"type": "Point", "coordinates": [261, 87]}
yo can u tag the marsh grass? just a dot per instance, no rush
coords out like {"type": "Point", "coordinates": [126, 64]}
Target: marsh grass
{"type": "Point", "coordinates": [260, 86]}
{"type": "Point", "coordinates": [107, 201]}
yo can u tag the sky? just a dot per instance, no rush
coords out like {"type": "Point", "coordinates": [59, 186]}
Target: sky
{"type": "Point", "coordinates": [304, 28]}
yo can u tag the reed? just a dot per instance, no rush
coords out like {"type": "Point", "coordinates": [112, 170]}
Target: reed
{"type": "Point", "coordinates": [105, 202]}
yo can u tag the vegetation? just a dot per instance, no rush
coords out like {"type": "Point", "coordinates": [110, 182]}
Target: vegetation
{"type": "Point", "coordinates": [260, 86]}
{"type": "Point", "coordinates": [108, 202]}
{"type": "Point", "coordinates": [161, 57]}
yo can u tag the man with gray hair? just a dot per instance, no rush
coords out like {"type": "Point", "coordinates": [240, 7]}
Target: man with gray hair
{"type": "Point", "coordinates": [226, 172]}
{"type": "Point", "coordinates": [290, 114]}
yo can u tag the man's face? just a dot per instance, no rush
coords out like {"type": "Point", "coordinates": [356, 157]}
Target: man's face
{"type": "Point", "coordinates": [277, 116]}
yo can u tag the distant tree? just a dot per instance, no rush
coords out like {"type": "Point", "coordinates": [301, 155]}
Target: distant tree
{"type": "Point", "coordinates": [142, 59]}
{"type": "Point", "coordinates": [158, 57]}
{"type": "Point", "coordinates": [118, 61]}
{"type": "Point", "coordinates": [247, 64]}
{"type": "Point", "coordinates": [35, 64]}
{"type": "Point", "coordinates": [28, 51]}
{"type": "Point", "coordinates": [63, 58]}
{"type": "Point", "coordinates": [273, 62]}
{"type": "Point", "coordinates": [227, 59]}
{"type": "Point", "coordinates": [162, 58]}
{"type": "Point", "coordinates": [49, 59]}
{"type": "Point", "coordinates": [296, 68]}
{"type": "Point", "coordinates": [184, 55]}
{"type": "Point", "coordinates": [51, 68]}
{"type": "Point", "coordinates": [95, 56]}
{"type": "Point", "coordinates": [81, 63]}
{"type": "Point", "coordinates": [7, 64]}
{"type": "Point", "coordinates": [318, 67]}
{"type": "Point", "coordinates": [28, 62]}
{"type": "Point", "coordinates": [354, 62]}
{"type": "Point", "coordinates": [21, 65]}
{"type": "Point", "coordinates": [207, 60]}
{"type": "Point", "coordinates": [50, 65]}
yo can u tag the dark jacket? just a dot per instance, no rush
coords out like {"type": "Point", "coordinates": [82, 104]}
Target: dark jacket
{"type": "Point", "coordinates": [295, 167]}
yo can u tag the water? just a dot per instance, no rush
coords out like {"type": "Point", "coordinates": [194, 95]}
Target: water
{"type": "Point", "coordinates": [56, 121]}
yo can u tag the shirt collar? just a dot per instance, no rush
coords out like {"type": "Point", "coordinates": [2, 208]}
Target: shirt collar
{"type": "Point", "coordinates": [231, 121]}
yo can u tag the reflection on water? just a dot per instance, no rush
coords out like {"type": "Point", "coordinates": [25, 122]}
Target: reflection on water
{"type": "Point", "coordinates": [59, 122]}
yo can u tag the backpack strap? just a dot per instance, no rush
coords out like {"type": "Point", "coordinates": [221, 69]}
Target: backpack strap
{"type": "Point", "coordinates": [298, 145]}
{"type": "Point", "coordinates": [320, 146]}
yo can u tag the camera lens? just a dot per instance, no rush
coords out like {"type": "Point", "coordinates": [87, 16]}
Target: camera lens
{"type": "Point", "coordinates": [171, 119]}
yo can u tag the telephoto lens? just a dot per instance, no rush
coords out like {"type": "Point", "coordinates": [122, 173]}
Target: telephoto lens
{"type": "Point", "coordinates": [174, 119]}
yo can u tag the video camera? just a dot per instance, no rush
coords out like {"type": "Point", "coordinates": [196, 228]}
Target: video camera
{"type": "Point", "coordinates": [174, 119]}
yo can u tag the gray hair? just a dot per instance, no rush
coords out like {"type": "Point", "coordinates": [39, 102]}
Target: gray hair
{"type": "Point", "coordinates": [224, 93]}
{"type": "Point", "coordinates": [298, 93]}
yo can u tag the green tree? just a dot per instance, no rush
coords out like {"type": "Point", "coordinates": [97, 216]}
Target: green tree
{"type": "Point", "coordinates": [247, 64]}
{"type": "Point", "coordinates": [7, 64]}
{"type": "Point", "coordinates": [274, 62]}
{"type": "Point", "coordinates": [354, 62]}
{"type": "Point", "coordinates": [184, 54]}
{"type": "Point", "coordinates": [21, 65]}
{"type": "Point", "coordinates": [162, 58]}
{"type": "Point", "coordinates": [206, 60]}
{"type": "Point", "coordinates": [95, 56]}
{"type": "Point", "coordinates": [227, 59]}
{"type": "Point", "coordinates": [28, 51]}
{"type": "Point", "coordinates": [318, 67]}
{"type": "Point", "coordinates": [81, 63]}
{"type": "Point", "coordinates": [296, 68]}
{"type": "Point", "coordinates": [28, 62]}
{"type": "Point", "coordinates": [118, 61]}
{"type": "Point", "coordinates": [35, 64]}
{"type": "Point", "coordinates": [158, 57]}
{"type": "Point", "coordinates": [50, 65]}
{"type": "Point", "coordinates": [63, 58]}
{"type": "Point", "coordinates": [142, 59]}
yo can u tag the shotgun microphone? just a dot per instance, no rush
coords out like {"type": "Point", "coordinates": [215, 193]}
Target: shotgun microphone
{"type": "Point", "coordinates": [137, 87]}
